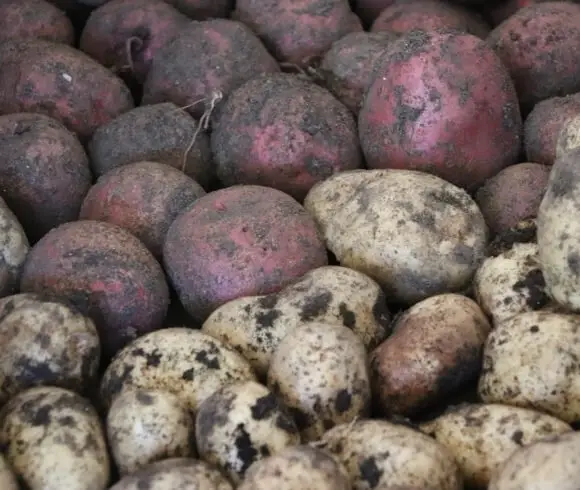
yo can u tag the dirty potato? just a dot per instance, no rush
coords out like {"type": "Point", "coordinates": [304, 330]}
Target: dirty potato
{"type": "Point", "coordinates": [7, 478]}
{"type": "Point", "coordinates": [14, 248]}
{"type": "Point", "coordinates": [482, 437]}
{"type": "Point", "coordinates": [255, 325]}
{"type": "Point", "coordinates": [569, 136]}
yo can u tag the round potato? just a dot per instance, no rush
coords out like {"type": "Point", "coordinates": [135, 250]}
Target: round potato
{"type": "Point", "coordinates": [54, 440]}
{"type": "Point", "coordinates": [182, 361]}
{"type": "Point", "coordinates": [144, 426]}
{"type": "Point", "coordinates": [414, 248]}
{"type": "Point", "coordinates": [320, 372]}
{"type": "Point", "coordinates": [255, 325]}
{"type": "Point", "coordinates": [381, 454]}
{"type": "Point", "coordinates": [482, 437]}
{"type": "Point", "coordinates": [242, 423]}
{"type": "Point", "coordinates": [7, 478]}
{"type": "Point", "coordinates": [531, 360]}
{"type": "Point", "coordinates": [435, 351]}
{"type": "Point", "coordinates": [14, 248]}
{"type": "Point", "coordinates": [569, 135]}
{"type": "Point", "coordinates": [45, 342]}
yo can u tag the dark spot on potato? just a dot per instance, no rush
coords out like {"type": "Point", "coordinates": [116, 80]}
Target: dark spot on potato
{"type": "Point", "coordinates": [302, 419]}
{"type": "Point", "coordinates": [187, 375]}
{"type": "Point", "coordinates": [405, 114]}
{"type": "Point", "coordinates": [370, 472]}
{"type": "Point", "coordinates": [518, 437]}
{"type": "Point", "coordinates": [144, 398]}
{"type": "Point", "coordinates": [424, 219]}
{"type": "Point", "coordinates": [534, 329]}
{"type": "Point", "coordinates": [574, 263]}
{"type": "Point", "coordinates": [348, 317]}
{"type": "Point", "coordinates": [67, 421]}
{"type": "Point", "coordinates": [564, 184]}
{"type": "Point", "coordinates": [268, 302]}
{"type": "Point", "coordinates": [315, 306]}
{"type": "Point", "coordinates": [114, 382]}
{"type": "Point", "coordinates": [343, 401]}
{"type": "Point", "coordinates": [152, 359]}
{"type": "Point", "coordinates": [210, 363]}
{"type": "Point", "coordinates": [214, 412]}
{"type": "Point", "coordinates": [35, 414]}
{"type": "Point", "coordinates": [267, 319]}
{"type": "Point", "coordinates": [247, 453]}
{"type": "Point", "coordinates": [28, 373]}
{"type": "Point", "coordinates": [523, 232]}
{"type": "Point", "coordinates": [535, 286]}
{"type": "Point", "coordinates": [264, 407]}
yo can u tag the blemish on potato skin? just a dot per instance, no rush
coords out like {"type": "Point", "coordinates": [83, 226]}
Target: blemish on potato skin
{"type": "Point", "coordinates": [534, 286]}
{"type": "Point", "coordinates": [348, 317]}
{"type": "Point", "coordinates": [267, 319]}
{"type": "Point", "coordinates": [247, 453]}
{"type": "Point", "coordinates": [209, 362]}
{"type": "Point", "coordinates": [315, 306]}
{"type": "Point", "coordinates": [370, 472]}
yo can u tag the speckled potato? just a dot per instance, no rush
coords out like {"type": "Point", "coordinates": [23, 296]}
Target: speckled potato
{"type": "Point", "coordinates": [381, 454]}
{"type": "Point", "coordinates": [144, 426]}
{"type": "Point", "coordinates": [415, 248]}
{"type": "Point", "coordinates": [45, 342]}
{"type": "Point", "coordinates": [435, 350]}
{"type": "Point", "coordinates": [569, 136]}
{"type": "Point", "coordinates": [320, 371]}
{"type": "Point", "coordinates": [545, 465]}
{"type": "Point", "coordinates": [14, 248]}
{"type": "Point", "coordinates": [297, 468]}
{"type": "Point", "coordinates": [175, 474]}
{"type": "Point", "coordinates": [54, 440]}
{"type": "Point", "coordinates": [482, 437]}
{"type": "Point", "coordinates": [255, 325]}
{"type": "Point", "coordinates": [185, 362]}
{"type": "Point", "coordinates": [7, 478]}
{"type": "Point", "coordinates": [240, 424]}
{"type": "Point", "coordinates": [532, 360]}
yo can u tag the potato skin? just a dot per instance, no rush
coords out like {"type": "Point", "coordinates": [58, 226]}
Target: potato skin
{"type": "Point", "coordinates": [436, 348]}
{"type": "Point", "coordinates": [14, 248]}
{"type": "Point", "coordinates": [429, 123]}
{"type": "Point", "coordinates": [482, 437]}
{"type": "Point", "coordinates": [7, 478]}
{"type": "Point", "coordinates": [569, 137]}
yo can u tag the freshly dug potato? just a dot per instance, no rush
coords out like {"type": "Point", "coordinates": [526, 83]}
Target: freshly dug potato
{"type": "Point", "coordinates": [205, 58]}
{"type": "Point", "coordinates": [381, 454]}
{"type": "Point", "coordinates": [54, 440]}
{"type": "Point", "coordinates": [182, 361]}
{"type": "Point", "coordinates": [424, 107]}
{"type": "Point", "coordinates": [242, 423]}
{"type": "Point", "coordinates": [255, 325]}
{"type": "Point", "coordinates": [536, 44]}
{"type": "Point", "coordinates": [34, 19]}
{"type": "Point", "coordinates": [14, 248]}
{"type": "Point", "coordinates": [45, 342]}
{"type": "Point", "coordinates": [414, 248]}
{"type": "Point", "coordinates": [7, 478]}
{"type": "Point", "coordinates": [240, 241]}
{"type": "Point", "coordinates": [569, 137]}
{"type": "Point", "coordinates": [61, 82]}
{"type": "Point", "coordinates": [349, 64]}
{"type": "Point", "coordinates": [125, 35]}
{"type": "Point", "coordinates": [434, 351]}
{"type": "Point", "coordinates": [144, 426]}
{"type": "Point", "coordinates": [320, 371]}
{"type": "Point", "coordinates": [44, 171]}
{"type": "Point", "coordinates": [545, 465]}
{"type": "Point", "coordinates": [105, 272]}
{"type": "Point", "coordinates": [544, 124]}
{"type": "Point", "coordinates": [482, 437]}
{"type": "Point", "coordinates": [297, 468]}
{"type": "Point", "coordinates": [531, 361]}
{"type": "Point", "coordinates": [159, 133]}
{"type": "Point", "coordinates": [175, 474]}
{"type": "Point", "coordinates": [513, 195]}
{"type": "Point", "coordinates": [143, 198]}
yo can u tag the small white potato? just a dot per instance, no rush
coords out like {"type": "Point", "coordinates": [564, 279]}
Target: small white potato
{"type": "Point", "coordinates": [481, 437]}
{"type": "Point", "coordinates": [144, 426]}
{"type": "Point", "coordinates": [297, 468]}
{"type": "Point", "coordinates": [550, 464]}
{"type": "Point", "coordinates": [182, 361]}
{"type": "Point", "coordinates": [415, 248]}
{"type": "Point", "coordinates": [380, 454]}
{"type": "Point", "coordinates": [7, 478]}
{"type": "Point", "coordinates": [45, 342]}
{"type": "Point", "coordinates": [242, 423]}
{"type": "Point", "coordinates": [320, 372]}
{"type": "Point", "coordinates": [532, 360]}
{"type": "Point", "coordinates": [569, 136]}
{"type": "Point", "coordinates": [255, 325]}
{"type": "Point", "coordinates": [14, 248]}
{"type": "Point", "coordinates": [54, 440]}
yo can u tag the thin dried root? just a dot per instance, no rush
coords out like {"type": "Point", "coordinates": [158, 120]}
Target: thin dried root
{"type": "Point", "coordinates": [130, 44]}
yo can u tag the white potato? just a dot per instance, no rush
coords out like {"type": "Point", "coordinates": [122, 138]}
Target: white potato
{"type": "Point", "coordinates": [14, 248]}
{"type": "Point", "coordinates": [569, 136]}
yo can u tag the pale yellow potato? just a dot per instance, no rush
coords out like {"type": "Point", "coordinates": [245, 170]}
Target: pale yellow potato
{"type": "Point", "coordinates": [7, 478]}
{"type": "Point", "coordinates": [482, 437]}
{"type": "Point", "coordinates": [14, 248]}
{"type": "Point", "coordinates": [569, 137]}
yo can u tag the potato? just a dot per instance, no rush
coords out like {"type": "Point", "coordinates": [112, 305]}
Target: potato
{"type": "Point", "coordinates": [297, 468]}
{"type": "Point", "coordinates": [7, 478]}
{"type": "Point", "coordinates": [14, 248]}
{"type": "Point", "coordinates": [242, 423]}
{"type": "Point", "coordinates": [434, 351]}
{"type": "Point", "coordinates": [320, 371]}
{"type": "Point", "coordinates": [255, 325]}
{"type": "Point", "coordinates": [54, 440]}
{"type": "Point", "coordinates": [175, 474]}
{"type": "Point", "coordinates": [482, 437]}
{"type": "Point", "coordinates": [182, 361]}
{"type": "Point", "coordinates": [144, 426]}
{"type": "Point", "coordinates": [545, 465]}
{"type": "Point", "coordinates": [531, 360]}
{"type": "Point", "coordinates": [414, 249]}
{"type": "Point", "coordinates": [381, 454]}
{"type": "Point", "coordinates": [569, 136]}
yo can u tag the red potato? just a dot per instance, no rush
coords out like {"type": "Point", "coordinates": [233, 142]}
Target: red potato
{"type": "Point", "coordinates": [106, 273]}
{"type": "Point", "coordinates": [443, 103]}
{"type": "Point", "coordinates": [240, 241]}
{"type": "Point", "coordinates": [61, 82]}
{"type": "Point", "coordinates": [125, 35]}
{"type": "Point", "coordinates": [203, 9]}
{"type": "Point", "coordinates": [205, 58]}
{"type": "Point", "coordinates": [298, 31]}
{"type": "Point", "coordinates": [281, 131]}
{"type": "Point", "coordinates": [34, 19]}
{"type": "Point", "coordinates": [538, 44]}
